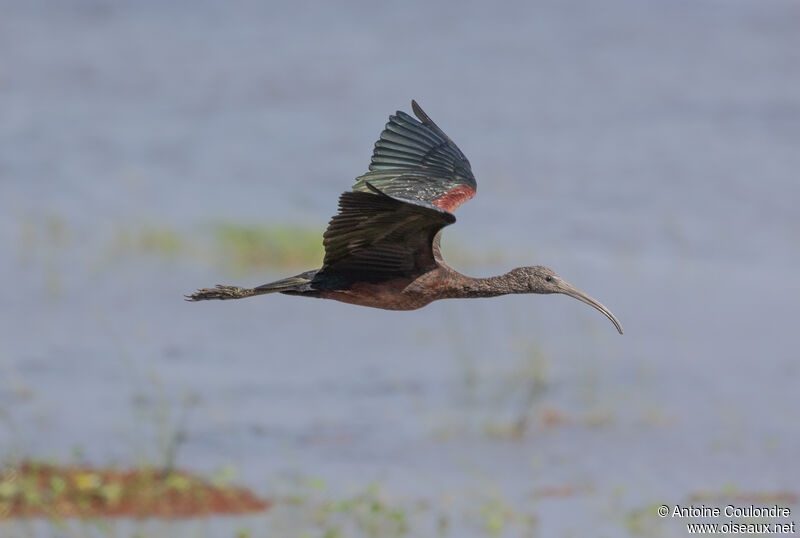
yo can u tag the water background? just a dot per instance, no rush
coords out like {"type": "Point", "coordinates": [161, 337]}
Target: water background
{"type": "Point", "coordinates": [648, 151]}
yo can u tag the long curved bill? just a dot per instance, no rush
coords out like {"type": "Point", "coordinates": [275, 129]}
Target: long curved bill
{"type": "Point", "coordinates": [572, 291]}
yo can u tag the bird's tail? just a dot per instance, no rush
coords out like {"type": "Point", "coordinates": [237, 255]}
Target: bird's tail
{"type": "Point", "coordinates": [292, 283]}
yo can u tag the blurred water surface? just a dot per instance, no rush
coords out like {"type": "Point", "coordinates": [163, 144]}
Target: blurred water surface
{"type": "Point", "coordinates": [648, 151]}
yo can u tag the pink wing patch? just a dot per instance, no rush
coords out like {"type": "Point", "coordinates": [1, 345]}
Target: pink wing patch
{"type": "Point", "coordinates": [453, 198]}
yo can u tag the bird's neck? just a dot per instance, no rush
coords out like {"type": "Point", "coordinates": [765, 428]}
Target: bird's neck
{"type": "Point", "coordinates": [465, 286]}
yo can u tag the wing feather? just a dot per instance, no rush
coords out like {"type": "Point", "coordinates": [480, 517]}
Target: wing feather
{"type": "Point", "coordinates": [415, 160]}
{"type": "Point", "coordinates": [377, 237]}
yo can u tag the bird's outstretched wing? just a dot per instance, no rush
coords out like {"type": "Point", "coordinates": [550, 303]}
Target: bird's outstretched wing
{"type": "Point", "coordinates": [376, 237]}
{"type": "Point", "coordinates": [415, 160]}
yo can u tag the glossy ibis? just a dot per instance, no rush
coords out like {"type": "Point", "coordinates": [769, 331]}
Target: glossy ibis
{"type": "Point", "coordinates": [382, 248]}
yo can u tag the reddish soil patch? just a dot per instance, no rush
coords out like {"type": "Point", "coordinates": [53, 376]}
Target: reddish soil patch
{"type": "Point", "coordinates": [42, 490]}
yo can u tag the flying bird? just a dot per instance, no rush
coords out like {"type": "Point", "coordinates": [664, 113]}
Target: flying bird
{"type": "Point", "coordinates": [382, 248]}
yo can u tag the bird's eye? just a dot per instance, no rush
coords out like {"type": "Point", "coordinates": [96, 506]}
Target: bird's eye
{"type": "Point", "coordinates": [548, 278]}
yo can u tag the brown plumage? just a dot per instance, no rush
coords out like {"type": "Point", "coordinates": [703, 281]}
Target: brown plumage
{"type": "Point", "coordinates": [382, 248]}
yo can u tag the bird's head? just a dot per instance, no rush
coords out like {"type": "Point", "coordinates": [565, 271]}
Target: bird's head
{"type": "Point", "coordinates": [541, 279]}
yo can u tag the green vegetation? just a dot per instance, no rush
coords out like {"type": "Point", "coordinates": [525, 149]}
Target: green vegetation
{"type": "Point", "coordinates": [643, 521]}
{"type": "Point", "coordinates": [246, 248]}
{"type": "Point", "coordinates": [238, 248]}
{"type": "Point", "coordinates": [161, 240]}
{"type": "Point", "coordinates": [310, 512]}
{"type": "Point", "coordinates": [367, 513]}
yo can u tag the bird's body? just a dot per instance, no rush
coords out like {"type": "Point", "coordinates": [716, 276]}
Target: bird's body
{"type": "Point", "coordinates": [382, 248]}
{"type": "Point", "coordinates": [401, 293]}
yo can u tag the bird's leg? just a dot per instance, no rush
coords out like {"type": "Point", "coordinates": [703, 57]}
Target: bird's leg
{"type": "Point", "coordinates": [221, 292]}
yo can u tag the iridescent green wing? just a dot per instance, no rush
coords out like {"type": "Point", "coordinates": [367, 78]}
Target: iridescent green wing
{"type": "Point", "coordinates": [415, 160]}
